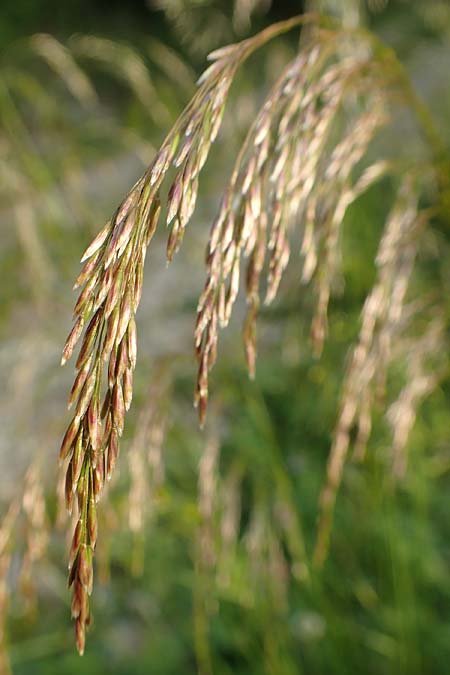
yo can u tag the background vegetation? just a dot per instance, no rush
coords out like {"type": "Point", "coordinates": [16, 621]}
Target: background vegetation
{"type": "Point", "coordinates": [204, 560]}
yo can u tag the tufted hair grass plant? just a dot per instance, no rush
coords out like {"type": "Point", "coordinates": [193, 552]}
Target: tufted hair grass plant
{"type": "Point", "coordinates": [305, 159]}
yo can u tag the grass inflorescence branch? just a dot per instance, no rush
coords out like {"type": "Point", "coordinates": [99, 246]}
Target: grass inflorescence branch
{"type": "Point", "coordinates": [298, 170]}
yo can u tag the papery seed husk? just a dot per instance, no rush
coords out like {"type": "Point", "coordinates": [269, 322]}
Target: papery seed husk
{"type": "Point", "coordinates": [194, 122]}
{"type": "Point", "coordinates": [114, 293]}
{"type": "Point", "coordinates": [79, 382]}
{"type": "Point", "coordinates": [72, 340]}
{"type": "Point", "coordinates": [202, 376]}
{"type": "Point", "coordinates": [202, 156]}
{"type": "Point", "coordinates": [146, 198]}
{"type": "Point", "coordinates": [93, 423]}
{"type": "Point", "coordinates": [280, 164]}
{"type": "Point", "coordinates": [202, 406]}
{"type": "Point", "coordinates": [206, 295]}
{"type": "Point", "coordinates": [212, 331]}
{"type": "Point", "coordinates": [263, 128]}
{"type": "Point", "coordinates": [160, 164]}
{"type": "Point", "coordinates": [76, 541]}
{"type": "Point", "coordinates": [128, 203]}
{"type": "Point", "coordinates": [107, 429]}
{"type": "Point", "coordinates": [129, 251]}
{"type": "Point", "coordinates": [173, 240]}
{"type": "Point", "coordinates": [215, 234]}
{"type": "Point", "coordinates": [122, 360]}
{"type": "Point", "coordinates": [198, 349]}
{"type": "Point", "coordinates": [173, 146]}
{"type": "Point", "coordinates": [125, 233]}
{"type": "Point", "coordinates": [92, 523]}
{"type": "Point", "coordinates": [80, 636]}
{"type": "Point", "coordinates": [113, 451]}
{"type": "Point", "coordinates": [251, 278]}
{"type": "Point", "coordinates": [202, 320]}
{"type": "Point", "coordinates": [216, 124]}
{"type": "Point", "coordinates": [188, 201]}
{"type": "Point", "coordinates": [132, 342]}
{"type": "Point", "coordinates": [89, 340]}
{"type": "Point", "coordinates": [85, 296]}
{"type": "Point", "coordinates": [86, 395]}
{"type": "Point", "coordinates": [81, 491]}
{"type": "Point", "coordinates": [97, 242]}
{"type": "Point", "coordinates": [249, 173]}
{"type": "Point", "coordinates": [77, 599]}
{"type": "Point", "coordinates": [138, 282]}
{"type": "Point", "coordinates": [68, 491]}
{"type": "Point", "coordinates": [248, 223]}
{"type": "Point", "coordinates": [111, 332]}
{"type": "Point", "coordinates": [94, 456]}
{"type": "Point", "coordinates": [84, 614]}
{"type": "Point", "coordinates": [222, 52]}
{"type": "Point", "coordinates": [104, 288]}
{"type": "Point", "coordinates": [127, 385]}
{"type": "Point", "coordinates": [221, 306]}
{"type": "Point", "coordinates": [73, 572]}
{"type": "Point", "coordinates": [77, 458]}
{"type": "Point", "coordinates": [209, 73]}
{"type": "Point", "coordinates": [263, 153]}
{"type": "Point", "coordinates": [69, 438]}
{"type": "Point", "coordinates": [228, 259]}
{"type": "Point", "coordinates": [118, 408]}
{"type": "Point", "coordinates": [153, 220]}
{"type": "Point", "coordinates": [85, 569]}
{"type": "Point", "coordinates": [214, 266]}
{"type": "Point", "coordinates": [174, 197]}
{"type": "Point", "coordinates": [184, 150]}
{"type": "Point", "coordinates": [251, 241]}
{"type": "Point", "coordinates": [228, 231]}
{"type": "Point", "coordinates": [86, 270]}
{"type": "Point", "coordinates": [99, 478]}
{"type": "Point", "coordinates": [106, 404]}
{"type": "Point", "coordinates": [234, 282]}
{"type": "Point", "coordinates": [124, 317]}
{"type": "Point", "coordinates": [212, 355]}
{"type": "Point", "coordinates": [112, 369]}
{"type": "Point", "coordinates": [255, 199]}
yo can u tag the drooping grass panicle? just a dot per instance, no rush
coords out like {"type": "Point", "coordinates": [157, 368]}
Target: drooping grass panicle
{"type": "Point", "coordinates": [300, 167]}
{"type": "Point", "coordinates": [288, 172]}
{"type": "Point", "coordinates": [381, 321]}
{"type": "Point", "coordinates": [111, 285]}
{"type": "Point", "coordinates": [426, 362]}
